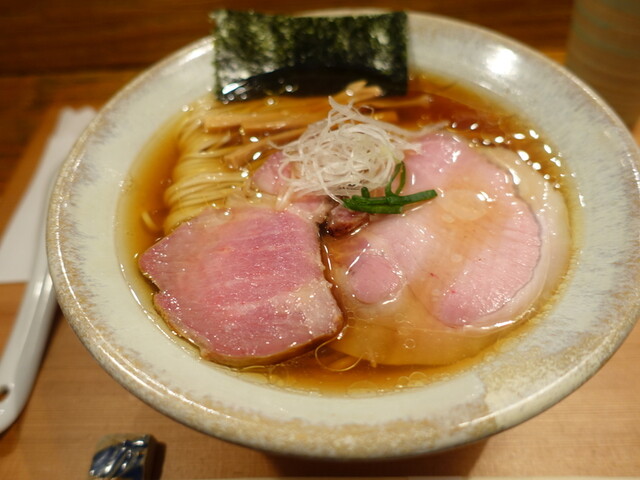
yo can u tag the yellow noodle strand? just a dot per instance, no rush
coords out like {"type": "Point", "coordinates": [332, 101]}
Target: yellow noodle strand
{"type": "Point", "coordinates": [219, 144]}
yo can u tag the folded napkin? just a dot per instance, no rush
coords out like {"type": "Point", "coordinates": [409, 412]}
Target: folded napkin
{"type": "Point", "coordinates": [20, 237]}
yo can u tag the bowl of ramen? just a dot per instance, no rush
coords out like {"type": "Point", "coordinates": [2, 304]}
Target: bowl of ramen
{"type": "Point", "coordinates": [356, 275]}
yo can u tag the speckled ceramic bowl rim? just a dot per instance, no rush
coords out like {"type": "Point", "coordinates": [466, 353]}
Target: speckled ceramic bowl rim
{"type": "Point", "coordinates": [530, 373]}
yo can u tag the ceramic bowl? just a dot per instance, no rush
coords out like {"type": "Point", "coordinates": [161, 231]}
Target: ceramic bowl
{"type": "Point", "coordinates": [527, 375]}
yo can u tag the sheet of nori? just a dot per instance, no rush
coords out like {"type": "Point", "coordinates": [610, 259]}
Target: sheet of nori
{"type": "Point", "coordinates": [257, 54]}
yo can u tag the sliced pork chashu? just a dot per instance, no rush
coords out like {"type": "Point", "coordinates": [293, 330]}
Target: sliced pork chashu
{"type": "Point", "coordinates": [246, 285]}
{"type": "Point", "coordinates": [443, 280]}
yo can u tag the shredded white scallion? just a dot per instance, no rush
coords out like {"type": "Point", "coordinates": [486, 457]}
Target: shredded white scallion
{"type": "Point", "coordinates": [343, 153]}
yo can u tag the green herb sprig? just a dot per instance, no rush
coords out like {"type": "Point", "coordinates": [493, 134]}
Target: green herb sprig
{"type": "Point", "coordinates": [392, 202]}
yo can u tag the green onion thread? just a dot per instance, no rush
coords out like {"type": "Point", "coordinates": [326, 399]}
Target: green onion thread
{"type": "Point", "coordinates": [392, 202]}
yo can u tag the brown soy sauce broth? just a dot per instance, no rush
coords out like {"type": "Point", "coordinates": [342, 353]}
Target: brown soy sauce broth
{"type": "Point", "coordinates": [474, 116]}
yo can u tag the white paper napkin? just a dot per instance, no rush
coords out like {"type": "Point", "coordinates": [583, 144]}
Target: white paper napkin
{"type": "Point", "coordinates": [20, 237]}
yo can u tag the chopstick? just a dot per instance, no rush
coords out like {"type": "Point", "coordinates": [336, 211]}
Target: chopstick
{"type": "Point", "coordinates": [21, 358]}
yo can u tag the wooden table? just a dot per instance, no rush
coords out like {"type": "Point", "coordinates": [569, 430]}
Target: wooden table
{"type": "Point", "coordinates": [73, 52]}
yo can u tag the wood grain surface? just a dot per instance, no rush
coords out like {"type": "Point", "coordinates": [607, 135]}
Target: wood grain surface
{"type": "Point", "coordinates": [69, 52]}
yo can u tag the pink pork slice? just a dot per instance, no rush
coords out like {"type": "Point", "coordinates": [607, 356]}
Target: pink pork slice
{"type": "Point", "coordinates": [245, 285]}
{"type": "Point", "coordinates": [435, 284]}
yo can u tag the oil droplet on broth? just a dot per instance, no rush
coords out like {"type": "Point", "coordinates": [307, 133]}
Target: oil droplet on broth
{"type": "Point", "coordinates": [409, 344]}
{"type": "Point", "coordinates": [362, 388]}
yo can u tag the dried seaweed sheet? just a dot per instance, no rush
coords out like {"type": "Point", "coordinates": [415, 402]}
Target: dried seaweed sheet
{"type": "Point", "coordinates": [257, 54]}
